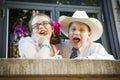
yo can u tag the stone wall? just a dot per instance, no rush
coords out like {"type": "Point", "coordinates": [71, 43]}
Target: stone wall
{"type": "Point", "coordinates": [46, 69]}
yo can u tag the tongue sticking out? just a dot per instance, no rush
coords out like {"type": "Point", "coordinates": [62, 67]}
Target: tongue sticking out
{"type": "Point", "coordinates": [76, 40]}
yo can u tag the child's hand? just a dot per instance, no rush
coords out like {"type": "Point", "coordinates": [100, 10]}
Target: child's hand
{"type": "Point", "coordinates": [34, 12]}
{"type": "Point", "coordinates": [40, 39]}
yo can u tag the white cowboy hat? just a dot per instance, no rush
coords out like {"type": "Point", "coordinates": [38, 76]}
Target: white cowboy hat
{"type": "Point", "coordinates": [81, 16]}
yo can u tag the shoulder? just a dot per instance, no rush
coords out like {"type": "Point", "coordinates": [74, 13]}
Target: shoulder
{"type": "Point", "coordinates": [26, 38]}
{"type": "Point", "coordinates": [64, 43]}
{"type": "Point", "coordinates": [98, 48]}
{"type": "Point", "coordinates": [25, 41]}
{"type": "Point", "coordinates": [65, 48]}
{"type": "Point", "coordinates": [96, 45]}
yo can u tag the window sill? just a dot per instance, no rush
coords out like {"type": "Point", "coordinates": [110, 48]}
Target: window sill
{"type": "Point", "coordinates": [60, 68]}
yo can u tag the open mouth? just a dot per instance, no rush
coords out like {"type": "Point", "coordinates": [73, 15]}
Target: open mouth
{"type": "Point", "coordinates": [76, 39]}
{"type": "Point", "coordinates": [43, 32]}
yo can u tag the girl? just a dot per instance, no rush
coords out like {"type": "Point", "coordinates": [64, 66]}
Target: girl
{"type": "Point", "coordinates": [37, 46]}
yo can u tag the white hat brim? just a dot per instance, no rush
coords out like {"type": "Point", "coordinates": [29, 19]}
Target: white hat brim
{"type": "Point", "coordinates": [94, 24]}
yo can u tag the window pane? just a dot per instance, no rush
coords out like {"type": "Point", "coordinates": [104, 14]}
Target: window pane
{"type": "Point", "coordinates": [64, 2]}
{"type": "Point", "coordinates": [18, 27]}
{"type": "Point", "coordinates": [78, 2]}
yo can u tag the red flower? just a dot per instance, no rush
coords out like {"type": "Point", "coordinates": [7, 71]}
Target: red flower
{"type": "Point", "coordinates": [56, 26]}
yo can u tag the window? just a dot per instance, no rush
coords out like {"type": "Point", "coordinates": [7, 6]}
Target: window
{"type": "Point", "coordinates": [19, 12]}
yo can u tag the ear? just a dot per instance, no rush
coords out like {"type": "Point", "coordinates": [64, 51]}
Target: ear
{"type": "Point", "coordinates": [89, 33]}
{"type": "Point", "coordinates": [52, 28]}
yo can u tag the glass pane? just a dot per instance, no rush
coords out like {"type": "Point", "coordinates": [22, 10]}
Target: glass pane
{"type": "Point", "coordinates": [18, 27]}
{"type": "Point", "coordinates": [65, 2]}
{"type": "Point", "coordinates": [78, 2]}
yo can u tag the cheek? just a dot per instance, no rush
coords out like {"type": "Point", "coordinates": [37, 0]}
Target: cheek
{"type": "Point", "coordinates": [70, 33]}
{"type": "Point", "coordinates": [85, 35]}
{"type": "Point", "coordinates": [50, 30]}
{"type": "Point", "coordinates": [34, 31]}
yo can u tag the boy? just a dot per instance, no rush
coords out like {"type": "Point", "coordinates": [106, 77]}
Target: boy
{"type": "Point", "coordinates": [82, 32]}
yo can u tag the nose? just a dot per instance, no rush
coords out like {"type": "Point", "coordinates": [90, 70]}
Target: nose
{"type": "Point", "coordinates": [76, 32]}
{"type": "Point", "coordinates": [41, 26]}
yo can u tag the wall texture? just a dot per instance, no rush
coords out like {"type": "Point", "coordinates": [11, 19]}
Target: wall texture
{"type": "Point", "coordinates": [45, 69]}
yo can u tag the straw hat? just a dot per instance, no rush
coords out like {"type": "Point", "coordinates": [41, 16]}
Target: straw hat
{"type": "Point", "coordinates": [81, 16]}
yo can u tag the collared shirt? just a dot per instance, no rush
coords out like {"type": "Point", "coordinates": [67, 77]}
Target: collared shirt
{"type": "Point", "coordinates": [90, 51]}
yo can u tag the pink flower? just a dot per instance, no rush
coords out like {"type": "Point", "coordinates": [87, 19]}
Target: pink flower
{"type": "Point", "coordinates": [56, 26]}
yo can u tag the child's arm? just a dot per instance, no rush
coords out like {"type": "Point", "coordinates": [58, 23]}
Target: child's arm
{"type": "Point", "coordinates": [29, 48]}
{"type": "Point", "coordinates": [99, 52]}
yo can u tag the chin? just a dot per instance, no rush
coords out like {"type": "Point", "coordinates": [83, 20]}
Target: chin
{"type": "Point", "coordinates": [76, 45]}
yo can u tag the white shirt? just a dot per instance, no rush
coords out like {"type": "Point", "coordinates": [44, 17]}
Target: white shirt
{"type": "Point", "coordinates": [28, 48]}
{"type": "Point", "coordinates": [91, 51]}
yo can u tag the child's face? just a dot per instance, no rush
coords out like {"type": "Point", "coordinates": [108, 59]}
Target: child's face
{"type": "Point", "coordinates": [79, 34]}
{"type": "Point", "coordinates": [42, 26]}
